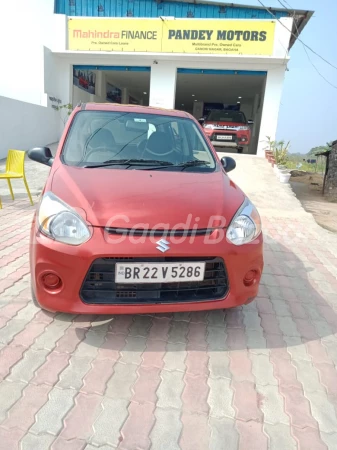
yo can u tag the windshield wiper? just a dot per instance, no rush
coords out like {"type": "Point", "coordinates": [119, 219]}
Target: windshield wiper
{"type": "Point", "coordinates": [131, 162]}
{"type": "Point", "coordinates": [184, 165]}
{"type": "Point", "coordinates": [193, 162]}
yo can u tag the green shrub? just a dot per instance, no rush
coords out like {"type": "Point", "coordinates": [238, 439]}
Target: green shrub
{"type": "Point", "coordinates": [65, 111]}
{"type": "Point", "coordinates": [280, 150]}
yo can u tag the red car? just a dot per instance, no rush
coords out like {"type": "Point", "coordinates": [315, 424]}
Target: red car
{"type": "Point", "coordinates": [228, 129]}
{"type": "Point", "coordinates": [138, 215]}
{"type": "Point", "coordinates": [83, 82]}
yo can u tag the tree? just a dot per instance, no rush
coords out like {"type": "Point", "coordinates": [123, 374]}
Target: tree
{"type": "Point", "coordinates": [320, 149]}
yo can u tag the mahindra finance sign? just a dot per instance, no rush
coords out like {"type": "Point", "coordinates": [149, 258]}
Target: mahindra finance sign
{"type": "Point", "coordinates": [224, 37]}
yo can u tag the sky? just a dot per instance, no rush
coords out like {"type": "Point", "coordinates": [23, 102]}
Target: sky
{"type": "Point", "coordinates": [308, 111]}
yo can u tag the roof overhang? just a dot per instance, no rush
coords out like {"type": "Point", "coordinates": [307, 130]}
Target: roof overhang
{"type": "Point", "coordinates": [301, 18]}
{"type": "Point", "coordinates": [141, 58]}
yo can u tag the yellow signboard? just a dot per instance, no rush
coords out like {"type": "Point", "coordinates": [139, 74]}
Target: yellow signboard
{"type": "Point", "coordinates": [190, 36]}
{"type": "Point", "coordinates": [222, 37]}
{"type": "Point", "coordinates": [118, 35]}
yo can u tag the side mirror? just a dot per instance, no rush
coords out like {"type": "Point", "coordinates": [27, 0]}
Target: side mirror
{"type": "Point", "coordinates": [250, 122]}
{"type": "Point", "coordinates": [41, 155]}
{"type": "Point", "coordinates": [228, 163]}
{"type": "Point", "coordinates": [201, 120]}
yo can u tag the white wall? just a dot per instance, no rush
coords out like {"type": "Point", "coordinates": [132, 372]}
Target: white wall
{"type": "Point", "coordinates": [25, 27]}
{"type": "Point", "coordinates": [270, 108]}
{"type": "Point", "coordinates": [282, 37]}
{"type": "Point", "coordinates": [58, 80]}
{"type": "Point", "coordinates": [81, 96]}
{"type": "Point", "coordinates": [24, 125]}
{"type": "Point", "coordinates": [163, 85]}
{"type": "Point", "coordinates": [29, 74]}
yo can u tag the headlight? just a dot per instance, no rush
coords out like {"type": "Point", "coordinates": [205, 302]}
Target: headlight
{"type": "Point", "coordinates": [242, 128]}
{"type": "Point", "coordinates": [245, 226]}
{"type": "Point", "coordinates": [209, 126]}
{"type": "Point", "coordinates": [60, 222]}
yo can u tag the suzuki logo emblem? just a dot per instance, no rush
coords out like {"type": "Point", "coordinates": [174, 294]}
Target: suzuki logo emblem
{"type": "Point", "coordinates": [163, 245]}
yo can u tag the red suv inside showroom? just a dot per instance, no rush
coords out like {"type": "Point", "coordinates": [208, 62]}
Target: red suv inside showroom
{"type": "Point", "coordinates": [227, 129]}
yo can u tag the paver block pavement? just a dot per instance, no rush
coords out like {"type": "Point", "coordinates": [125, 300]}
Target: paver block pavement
{"type": "Point", "coordinates": [262, 376]}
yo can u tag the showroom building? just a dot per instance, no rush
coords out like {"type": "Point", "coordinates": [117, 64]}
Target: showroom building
{"type": "Point", "coordinates": [188, 54]}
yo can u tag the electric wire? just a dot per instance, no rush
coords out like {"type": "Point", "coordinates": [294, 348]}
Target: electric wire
{"type": "Point", "coordinates": [293, 34]}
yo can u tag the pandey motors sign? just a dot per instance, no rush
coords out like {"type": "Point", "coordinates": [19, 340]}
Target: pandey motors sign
{"type": "Point", "coordinates": [223, 37]}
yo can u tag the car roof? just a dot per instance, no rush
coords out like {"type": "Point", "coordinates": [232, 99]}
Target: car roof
{"type": "Point", "coordinates": [132, 108]}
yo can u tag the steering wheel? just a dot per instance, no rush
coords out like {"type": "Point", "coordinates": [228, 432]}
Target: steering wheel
{"type": "Point", "coordinates": [99, 149]}
{"type": "Point", "coordinates": [147, 150]}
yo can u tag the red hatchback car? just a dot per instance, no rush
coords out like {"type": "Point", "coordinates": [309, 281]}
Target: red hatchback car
{"type": "Point", "coordinates": [138, 215]}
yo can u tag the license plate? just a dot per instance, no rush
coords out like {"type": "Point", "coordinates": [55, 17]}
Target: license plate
{"type": "Point", "coordinates": [224, 138]}
{"type": "Point", "coordinates": [159, 272]}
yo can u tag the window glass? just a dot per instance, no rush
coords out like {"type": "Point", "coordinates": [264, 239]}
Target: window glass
{"type": "Point", "coordinates": [199, 148]}
{"type": "Point", "coordinates": [226, 116]}
{"type": "Point", "coordinates": [103, 136]}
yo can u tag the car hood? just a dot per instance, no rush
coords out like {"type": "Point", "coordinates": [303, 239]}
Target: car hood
{"type": "Point", "coordinates": [125, 198]}
{"type": "Point", "coordinates": [227, 124]}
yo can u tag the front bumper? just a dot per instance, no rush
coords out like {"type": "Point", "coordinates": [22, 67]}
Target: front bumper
{"type": "Point", "coordinates": [234, 138]}
{"type": "Point", "coordinates": [72, 264]}
{"type": "Point", "coordinates": [225, 144]}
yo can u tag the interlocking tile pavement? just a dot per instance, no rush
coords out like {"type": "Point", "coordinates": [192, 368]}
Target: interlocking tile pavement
{"type": "Point", "coordinates": [258, 377]}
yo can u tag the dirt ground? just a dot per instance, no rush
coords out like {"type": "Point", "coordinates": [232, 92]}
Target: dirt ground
{"type": "Point", "coordinates": [308, 189]}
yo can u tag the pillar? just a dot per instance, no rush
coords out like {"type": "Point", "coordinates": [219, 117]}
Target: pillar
{"type": "Point", "coordinates": [198, 109]}
{"type": "Point", "coordinates": [125, 96]}
{"type": "Point", "coordinates": [256, 117]}
{"type": "Point", "coordinates": [270, 107]}
{"type": "Point", "coordinates": [163, 85]}
{"type": "Point", "coordinates": [254, 113]}
{"type": "Point", "coordinates": [100, 88]}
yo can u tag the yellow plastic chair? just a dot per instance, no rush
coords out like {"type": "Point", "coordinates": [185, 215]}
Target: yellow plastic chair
{"type": "Point", "coordinates": [15, 168]}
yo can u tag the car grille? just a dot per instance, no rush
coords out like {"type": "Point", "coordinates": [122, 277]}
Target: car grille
{"type": "Point", "coordinates": [99, 286]}
{"type": "Point", "coordinates": [225, 127]}
{"type": "Point", "coordinates": [159, 233]}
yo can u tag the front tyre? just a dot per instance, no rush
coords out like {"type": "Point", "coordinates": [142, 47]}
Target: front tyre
{"type": "Point", "coordinates": [36, 303]}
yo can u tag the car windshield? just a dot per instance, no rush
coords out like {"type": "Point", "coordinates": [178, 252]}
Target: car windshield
{"type": "Point", "coordinates": [116, 139]}
{"type": "Point", "coordinates": [226, 116]}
